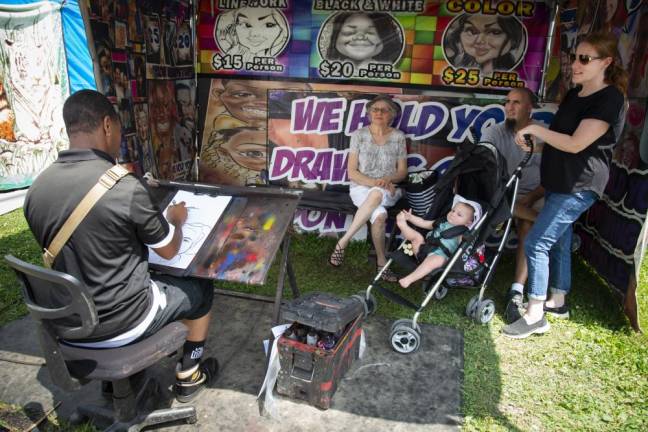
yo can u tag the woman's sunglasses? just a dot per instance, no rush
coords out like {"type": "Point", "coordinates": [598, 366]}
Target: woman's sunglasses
{"type": "Point", "coordinates": [583, 58]}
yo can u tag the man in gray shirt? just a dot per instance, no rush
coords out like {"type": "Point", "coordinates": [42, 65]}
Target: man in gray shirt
{"type": "Point", "coordinates": [517, 107]}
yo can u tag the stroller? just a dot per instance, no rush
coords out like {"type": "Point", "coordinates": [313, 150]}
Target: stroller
{"type": "Point", "coordinates": [481, 175]}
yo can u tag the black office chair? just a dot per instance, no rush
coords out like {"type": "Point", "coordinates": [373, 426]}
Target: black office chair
{"type": "Point", "coordinates": [74, 318]}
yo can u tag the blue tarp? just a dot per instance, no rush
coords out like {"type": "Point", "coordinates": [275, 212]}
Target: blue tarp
{"type": "Point", "coordinates": [79, 62]}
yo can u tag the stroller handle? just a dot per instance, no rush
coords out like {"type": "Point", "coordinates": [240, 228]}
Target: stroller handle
{"type": "Point", "coordinates": [529, 143]}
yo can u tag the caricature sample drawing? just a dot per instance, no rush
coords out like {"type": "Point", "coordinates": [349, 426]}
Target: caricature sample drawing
{"type": "Point", "coordinates": [252, 32]}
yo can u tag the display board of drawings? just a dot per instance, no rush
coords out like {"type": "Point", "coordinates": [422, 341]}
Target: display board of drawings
{"type": "Point", "coordinates": [33, 86]}
{"type": "Point", "coordinates": [143, 55]}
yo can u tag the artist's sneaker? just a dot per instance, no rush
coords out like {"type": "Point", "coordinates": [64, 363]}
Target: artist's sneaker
{"type": "Point", "coordinates": [558, 312]}
{"type": "Point", "coordinates": [520, 329]}
{"type": "Point", "coordinates": [514, 307]}
{"type": "Point", "coordinates": [190, 383]}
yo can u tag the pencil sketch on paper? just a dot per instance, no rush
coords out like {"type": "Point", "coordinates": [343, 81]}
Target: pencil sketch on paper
{"type": "Point", "coordinates": [203, 213]}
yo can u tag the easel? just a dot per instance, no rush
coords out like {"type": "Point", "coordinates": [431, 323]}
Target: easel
{"type": "Point", "coordinates": [283, 202]}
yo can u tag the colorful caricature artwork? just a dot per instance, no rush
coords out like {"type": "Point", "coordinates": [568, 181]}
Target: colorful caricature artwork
{"type": "Point", "coordinates": [234, 149]}
{"type": "Point", "coordinates": [137, 49]}
{"type": "Point", "coordinates": [362, 44]}
{"type": "Point", "coordinates": [248, 39]}
{"type": "Point", "coordinates": [246, 243]}
{"type": "Point", "coordinates": [443, 43]}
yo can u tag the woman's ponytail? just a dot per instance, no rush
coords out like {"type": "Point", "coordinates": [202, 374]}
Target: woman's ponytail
{"type": "Point", "coordinates": [617, 76]}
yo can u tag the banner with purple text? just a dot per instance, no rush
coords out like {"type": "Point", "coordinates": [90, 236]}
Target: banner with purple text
{"type": "Point", "coordinates": [321, 123]}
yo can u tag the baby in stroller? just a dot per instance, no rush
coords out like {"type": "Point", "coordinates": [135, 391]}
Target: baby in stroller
{"type": "Point", "coordinates": [442, 239]}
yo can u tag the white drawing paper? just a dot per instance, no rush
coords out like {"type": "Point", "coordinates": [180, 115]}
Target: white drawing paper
{"type": "Point", "coordinates": [203, 213]}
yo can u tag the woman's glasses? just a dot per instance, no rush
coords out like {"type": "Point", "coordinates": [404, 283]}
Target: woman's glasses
{"type": "Point", "coordinates": [380, 110]}
{"type": "Point", "coordinates": [582, 58]}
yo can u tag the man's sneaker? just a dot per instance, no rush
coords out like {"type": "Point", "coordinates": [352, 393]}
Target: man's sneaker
{"type": "Point", "coordinates": [520, 329]}
{"type": "Point", "coordinates": [558, 312]}
{"type": "Point", "coordinates": [514, 308]}
{"type": "Point", "coordinates": [190, 383]}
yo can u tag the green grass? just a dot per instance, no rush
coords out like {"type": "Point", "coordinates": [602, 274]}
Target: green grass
{"type": "Point", "coordinates": [588, 373]}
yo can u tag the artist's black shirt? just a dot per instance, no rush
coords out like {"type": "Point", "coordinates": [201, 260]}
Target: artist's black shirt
{"type": "Point", "coordinates": [588, 169]}
{"type": "Point", "coordinates": [107, 251]}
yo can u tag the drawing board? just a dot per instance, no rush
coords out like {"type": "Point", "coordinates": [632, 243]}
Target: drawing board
{"type": "Point", "coordinates": [203, 213]}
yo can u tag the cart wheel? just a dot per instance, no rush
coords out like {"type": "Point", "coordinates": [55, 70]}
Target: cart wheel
{"type": "Point", "coordinates": [441, 292]}
{"type": "Point", "coordinates": [485, 311]}
{"type": "Point", "coordinates": [372, 304]}
{"type": "Point", "coordinates": [404, 322]}
{"type": "Point", "coordinates": [471, 307]}
{"type": "Point", "coordinates": [405, 339]}
{"type": "Point", "coordinates": [361, 299]}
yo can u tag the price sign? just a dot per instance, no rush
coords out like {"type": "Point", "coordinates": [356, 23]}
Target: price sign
{"type": "Point", "coordinates": [460, 76]}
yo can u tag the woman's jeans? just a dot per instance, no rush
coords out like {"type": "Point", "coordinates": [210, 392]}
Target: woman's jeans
{"type": "Point", "coordinates": [548, 244]}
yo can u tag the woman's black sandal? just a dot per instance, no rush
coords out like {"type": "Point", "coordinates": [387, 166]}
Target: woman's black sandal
{"type": "Point", "coordinates": [389, 276]}
{"type": "Point", "coordinates": [337, 257]}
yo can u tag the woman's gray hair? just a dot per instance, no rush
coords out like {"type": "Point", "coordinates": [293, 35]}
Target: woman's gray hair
{"type": "Point", "coordinates": [393, 106]}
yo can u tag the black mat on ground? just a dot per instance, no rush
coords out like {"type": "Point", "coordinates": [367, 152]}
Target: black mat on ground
{"type": "Point", "coordinates": [382, 391]}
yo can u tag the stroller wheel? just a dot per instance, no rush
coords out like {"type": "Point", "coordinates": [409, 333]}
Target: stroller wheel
{"type": "Point", "coordinates": [441, 292]}
{"type": "Point", "coordinates": [471, 307]}
{"type": "Point", "coordinates": [406, 322]}
{"type": "Point", "coordinates": [485, 311]}
{"type": "Point", "coordinates": [405, 339]}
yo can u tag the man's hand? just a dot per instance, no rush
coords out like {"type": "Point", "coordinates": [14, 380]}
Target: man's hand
{"type": "Point", "coordinates": [177, 214]}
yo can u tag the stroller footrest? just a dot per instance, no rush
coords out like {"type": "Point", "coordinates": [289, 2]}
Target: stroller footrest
{"type": "Point", "coordinates": [405, 262]}
{"type": "Point", "coordinates": [396, 298]}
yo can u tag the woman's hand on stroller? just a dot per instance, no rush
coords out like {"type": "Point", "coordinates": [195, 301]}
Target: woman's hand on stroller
{"type": "Point", "coordinates": [521, 137]}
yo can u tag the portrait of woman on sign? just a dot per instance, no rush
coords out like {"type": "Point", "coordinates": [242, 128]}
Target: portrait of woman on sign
{"type": "Point", "coordinates": [485, 42]}
{"type": "Point", "coordinates": [361, 38]}
{"type": "Point", "coordinates": [252, 32]}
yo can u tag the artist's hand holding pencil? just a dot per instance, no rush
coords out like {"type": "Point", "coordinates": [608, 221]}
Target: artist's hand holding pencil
{"type": "Point", "coordinates": [177, 213]}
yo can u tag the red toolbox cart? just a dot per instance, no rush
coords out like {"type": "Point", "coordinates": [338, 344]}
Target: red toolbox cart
{"type": "Point", "coordinates": [312, 372]}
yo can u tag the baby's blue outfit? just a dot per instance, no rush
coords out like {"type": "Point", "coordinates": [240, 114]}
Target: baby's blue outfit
{"type": "Point", "coordinates": [451, 244]}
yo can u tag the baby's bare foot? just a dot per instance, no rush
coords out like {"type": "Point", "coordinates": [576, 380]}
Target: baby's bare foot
{"type": "Point", "coordinates": [404, 283]}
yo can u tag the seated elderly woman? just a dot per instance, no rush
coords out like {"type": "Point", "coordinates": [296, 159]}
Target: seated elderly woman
{"type": "Point", "coordinates": [377, 160]}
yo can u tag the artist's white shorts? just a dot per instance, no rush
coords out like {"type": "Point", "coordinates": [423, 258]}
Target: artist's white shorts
{"type": "Point", "coordinates": [360, 193]}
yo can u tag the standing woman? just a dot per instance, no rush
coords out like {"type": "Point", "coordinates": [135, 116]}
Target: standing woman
{"type": "Point", "coordinates": [377, 160]}
{"type": "Point", "coordinates": [574, 172]}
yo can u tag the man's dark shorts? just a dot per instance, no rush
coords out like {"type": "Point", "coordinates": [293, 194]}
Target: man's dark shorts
{"type": "Point", "coordinates": [186, 298]}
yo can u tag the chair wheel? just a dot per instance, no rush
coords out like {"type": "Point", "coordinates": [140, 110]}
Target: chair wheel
{"type": "Point", "coordinates": [441, 292]}
{"type": "Point", "coordinates": [485, 311]}
{"type": "Point", "coordinates": [404, 339]}
{"type": "Point", "coordinates": [192, 419]}
{"type": "Point", "coordinates": [471, 307]}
